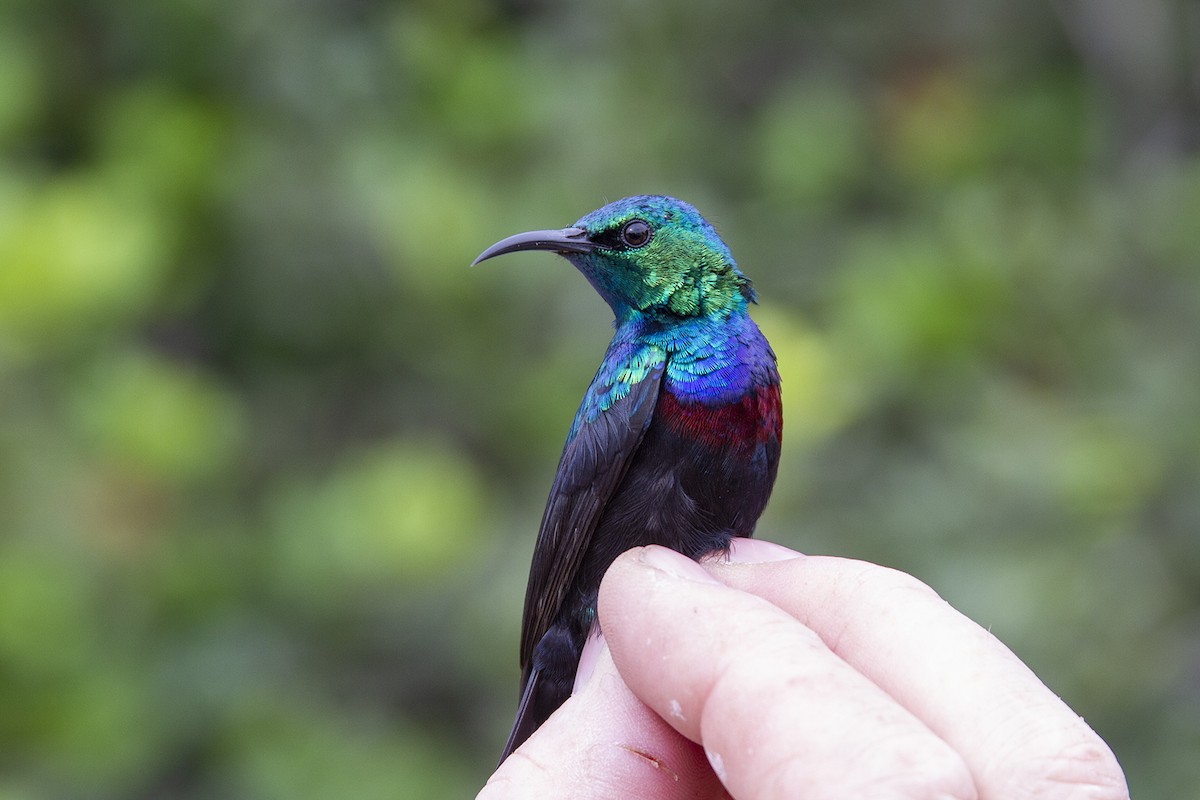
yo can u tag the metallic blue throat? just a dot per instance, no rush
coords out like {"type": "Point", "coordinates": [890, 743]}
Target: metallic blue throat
{"type": "Point", "coordinates": [709, 360]}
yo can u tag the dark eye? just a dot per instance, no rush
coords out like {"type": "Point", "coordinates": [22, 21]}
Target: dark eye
{"type": "Point", "coordinates": [635, 233]}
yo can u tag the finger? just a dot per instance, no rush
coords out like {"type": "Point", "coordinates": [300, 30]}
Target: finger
{"type": "Point", "coordinates": [779, 715]}
{"type": "Point", "coordinates": [1018, 738]}
{"type": "Point", "coordinates": [604, 743]}
{"type": "Point", "coordinates": [593, 648]}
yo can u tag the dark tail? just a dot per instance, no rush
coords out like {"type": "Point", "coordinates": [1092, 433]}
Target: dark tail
{"type": "Point", "coordinates": [541, 697]}
{"type": "Point", "coordinates": [546, 687]}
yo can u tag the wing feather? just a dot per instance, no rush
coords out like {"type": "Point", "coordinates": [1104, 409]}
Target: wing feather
{"type": "Point", "coordinates": [589, 472]}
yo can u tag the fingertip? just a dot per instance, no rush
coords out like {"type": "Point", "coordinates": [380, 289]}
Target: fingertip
{"type": "Point", "coordinates": [759, 551]}
{"type": "Point", "coordinates": [673, 564]}
{"type": "Point", "coordinates": [593, 649]}
{"type": "Point", "coordinates": [637, 571]}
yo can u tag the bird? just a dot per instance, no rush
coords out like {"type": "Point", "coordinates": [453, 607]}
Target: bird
{"type": "Point", "coordinates": [676, 441]}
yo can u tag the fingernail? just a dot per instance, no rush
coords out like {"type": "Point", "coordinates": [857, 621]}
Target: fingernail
{"type": "Point", "coordinates": [588, 658]}
{"type": "Point", "coordinates": [759, 551]}
{"type": "Point", "coordinates": [675, 564]}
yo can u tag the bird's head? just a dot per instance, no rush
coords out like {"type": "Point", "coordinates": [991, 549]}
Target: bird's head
{"type": "Point", "coordinates": [649, 255]}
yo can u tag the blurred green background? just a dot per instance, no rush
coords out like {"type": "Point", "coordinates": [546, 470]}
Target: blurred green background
{"type": "Point", "coordinates": [272, 457]}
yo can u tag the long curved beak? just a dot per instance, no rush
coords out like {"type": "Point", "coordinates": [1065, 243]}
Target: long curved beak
{"type": "Point", "coordinates": [567, 240]}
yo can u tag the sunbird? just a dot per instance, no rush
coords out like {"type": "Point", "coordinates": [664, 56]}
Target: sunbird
{"type": "Point", "coordinates": [676, 441]}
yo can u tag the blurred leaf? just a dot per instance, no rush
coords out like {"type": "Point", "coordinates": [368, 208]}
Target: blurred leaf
{"type": "Point", "coordinates": [20, 92]}
{"type": "Point", "coordinates": [84, 718]}
{"type": "Point", "coordinates": [910, 303]}
{"type": "Point", "coordinates": [936, 130]}
{"type": "Point", "coordinates": [76, 259]}
{"type": "Point", "coordinates": [150, 414]}
{"type": "Point", "coordinates": [405, 511]}
{"type": "Point", "coordinates": [159, 142]}
{"type": "Point", "coordinates": [813, 146]}
{"type": "Point", "coordinates": [293, 755]}
{"type": "Point", "coordinates": [48, 626]}
{"type": "Point", "coordinates": [426, 213]}
{"type": "Point", "coordinates": [818, 395]}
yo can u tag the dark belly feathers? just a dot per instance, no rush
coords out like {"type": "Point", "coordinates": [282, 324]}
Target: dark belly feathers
{"type": "Point", "coordinates": [701, 476]}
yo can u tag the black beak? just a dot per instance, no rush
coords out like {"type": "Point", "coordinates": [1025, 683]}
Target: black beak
{"type": "Point", "coordinates": [567, 240]}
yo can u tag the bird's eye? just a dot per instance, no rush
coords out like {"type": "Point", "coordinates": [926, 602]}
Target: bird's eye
{"type": "Point", "coordinates": [635, 233]}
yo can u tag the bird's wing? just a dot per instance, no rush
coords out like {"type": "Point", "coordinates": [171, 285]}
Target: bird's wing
{"type": "Point", "coordinates": [592, 466]}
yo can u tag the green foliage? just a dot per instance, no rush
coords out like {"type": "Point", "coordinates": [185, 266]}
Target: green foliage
{"type": "Point", "coordinates": [407, 514]}
{"type": "Point", "coordinates": [154, 416]}
{"type": "Point", "coordinates": [272, 456]}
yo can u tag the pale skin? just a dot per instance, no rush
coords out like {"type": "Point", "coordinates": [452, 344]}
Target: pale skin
{"type": "Point", "coordinates": [777, 675]}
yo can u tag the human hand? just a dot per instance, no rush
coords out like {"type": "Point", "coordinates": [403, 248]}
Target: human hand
{"type": "Point", "coordinates": [779, 675]}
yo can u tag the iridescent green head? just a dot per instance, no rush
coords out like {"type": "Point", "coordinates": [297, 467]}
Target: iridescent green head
{"type": "Point", "coordinates": [649, 254]}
